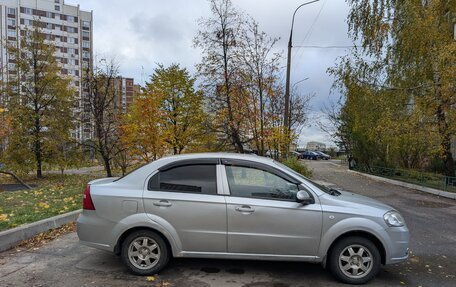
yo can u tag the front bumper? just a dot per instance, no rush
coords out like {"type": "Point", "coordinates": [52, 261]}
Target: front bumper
{"type": "Point", "coordinates": [397, 248]}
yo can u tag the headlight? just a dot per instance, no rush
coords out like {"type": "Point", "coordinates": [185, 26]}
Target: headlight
{"type": "Point", "coordinates": [393, 219]}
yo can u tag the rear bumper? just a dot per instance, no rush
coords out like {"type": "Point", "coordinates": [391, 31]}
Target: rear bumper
{"type": "Point", "coordinates": [94, 231]}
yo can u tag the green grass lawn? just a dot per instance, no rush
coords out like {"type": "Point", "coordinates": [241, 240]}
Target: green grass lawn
{"type": "Point", "coordinates": [53, 195]}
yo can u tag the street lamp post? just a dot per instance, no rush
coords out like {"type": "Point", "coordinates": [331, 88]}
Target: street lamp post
{"type": "Point", "coordinates": [287, 86]}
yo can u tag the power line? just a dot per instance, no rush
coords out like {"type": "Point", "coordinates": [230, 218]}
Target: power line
{"type": "Point", "coordinates": [310, 30]}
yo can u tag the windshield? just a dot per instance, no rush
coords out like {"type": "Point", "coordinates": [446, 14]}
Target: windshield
{"type": "Point", "coordinates": [319, 186]}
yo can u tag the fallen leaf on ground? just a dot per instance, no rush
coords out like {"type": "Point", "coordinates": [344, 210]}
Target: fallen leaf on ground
{"type": "Point", "coordinates": [3, 217]}
{"type": "Point", "coordinates": [47, 236]}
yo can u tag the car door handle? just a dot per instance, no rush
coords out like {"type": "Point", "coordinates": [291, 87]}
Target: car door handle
{"type": "Point", "coordinates": [245, 209]}
{"type": "Point", "coordinates": [163, 203]}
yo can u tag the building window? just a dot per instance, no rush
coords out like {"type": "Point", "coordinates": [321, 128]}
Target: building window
{"type": "Point", "coordinates": [86, 54]}
{"type": "Point", "coordinates": [86, 24]}
{"type": "Point", "coordinates": [50, 15]}
{"type": "Point", "coordinates": [71, 40]}
{"type": "Point", "coordinates": [70, 18]}
{"type": "Point", "coordinates": [11, 22]}
{"type": "Point", "coordinates": [57, 1]}
{"type": "Point", "coordinates": [85, 34]}
{"type": "Point", "coordinates": [11, 66]}
{"type": "Point", "coordinates": [28, 11]}
{"type": "Point", "coordinates": [12, 11]}
{"type": "Point", "coordinates": [28, 22]}
{"type": "Point", "coordinates": [12, 33]}
{"type": "Point", "coordinates": [71, 30]}
{"type": "Point", "coordinates": [85, 44]}
{"type": "Point", "coordinates": [57, 8]}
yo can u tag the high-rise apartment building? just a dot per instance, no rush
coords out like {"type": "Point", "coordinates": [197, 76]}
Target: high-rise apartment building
{"type": "Point", "coordinates": [126, 90]}
{"type": "Point", "coordinates": [69, 28]}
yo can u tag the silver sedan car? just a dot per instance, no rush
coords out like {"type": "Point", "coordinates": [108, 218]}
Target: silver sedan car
{"type": "Point", "coordinates": [232, 206]}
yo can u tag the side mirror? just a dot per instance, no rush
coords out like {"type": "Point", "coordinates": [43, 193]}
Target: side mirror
{"type": "Point", "coordinates": [304, 198]}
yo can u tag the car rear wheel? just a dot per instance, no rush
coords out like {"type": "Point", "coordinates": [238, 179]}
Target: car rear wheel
{"type": "Point", "coordinates": [354, 260]}
{"type": "Point", "coordinates": [145, 252]}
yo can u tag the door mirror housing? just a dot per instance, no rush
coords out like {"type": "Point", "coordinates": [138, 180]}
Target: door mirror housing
{"type": "Point", "coordinates": [304, 198]}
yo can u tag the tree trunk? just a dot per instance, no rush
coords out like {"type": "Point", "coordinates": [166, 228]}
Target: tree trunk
{"type": "Point", "coordinates": [38, 155]}
{"type": "Point", "coordinates": [448, 157]}
{"type": "Point", "coordinates": [445, 134]}
{"type": "Point", "coordinates": [107, 165]}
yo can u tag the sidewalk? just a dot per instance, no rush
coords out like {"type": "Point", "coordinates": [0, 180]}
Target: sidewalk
{"type": "Point", "coordinates": [11, 237]}
{"type": "Point", "coordinates": [434, 191]}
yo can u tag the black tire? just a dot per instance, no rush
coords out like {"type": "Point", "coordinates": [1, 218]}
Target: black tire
{"type": "Point", "coordinates": [340, 249]}
{"type": "Point", "coordinates": [161, 251]}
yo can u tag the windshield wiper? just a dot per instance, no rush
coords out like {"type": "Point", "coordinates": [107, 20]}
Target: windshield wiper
{"type": "Point", "coordinates": [334, 192]}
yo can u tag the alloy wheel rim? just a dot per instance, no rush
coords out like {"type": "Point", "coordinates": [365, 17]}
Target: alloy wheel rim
{"type": "Point", "coordinates": [144, 253]}
{"type": "Point", "coordinates": [355, 261]}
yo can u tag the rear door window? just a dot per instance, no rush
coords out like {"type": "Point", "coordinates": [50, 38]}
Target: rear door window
{"type": "Point", "coordinates": [200, 179]}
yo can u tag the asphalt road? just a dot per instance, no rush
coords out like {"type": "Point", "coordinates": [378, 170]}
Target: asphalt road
{"type": "Point", "coordinates": [64, 262]}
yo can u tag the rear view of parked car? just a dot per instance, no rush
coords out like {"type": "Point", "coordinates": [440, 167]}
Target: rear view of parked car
{"type": "Point", "coordinates": [235, 206]}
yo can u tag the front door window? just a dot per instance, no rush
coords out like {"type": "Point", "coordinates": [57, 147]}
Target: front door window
{"type": "Point", "coordinates": [256, 183]}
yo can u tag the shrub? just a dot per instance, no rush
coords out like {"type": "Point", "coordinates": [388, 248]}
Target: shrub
{"type": "Point", "coordinates": [298, 166]}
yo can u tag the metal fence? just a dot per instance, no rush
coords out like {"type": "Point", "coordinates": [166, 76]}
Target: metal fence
{"type": "Point", "coordinates": [446, 183]}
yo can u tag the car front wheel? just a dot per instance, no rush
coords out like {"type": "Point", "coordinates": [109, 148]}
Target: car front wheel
{"type": "Point", "coordinates": [354, 260]}
{"type": "Point", "coordinates": [144, 252]}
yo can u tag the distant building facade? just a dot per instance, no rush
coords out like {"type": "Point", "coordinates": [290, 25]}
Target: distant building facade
{"type": "Point", "coordinates": [70, 30]}
{"type": "Point", "coordinates": [126, 90]}
{"type": "Point", "coordinates": [313, 146]}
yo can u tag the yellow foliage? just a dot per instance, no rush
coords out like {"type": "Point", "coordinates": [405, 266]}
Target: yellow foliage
{"type": "Point", "coordinates": [43, 205]}
{"type": "Point", "coordinates": [3, 217]}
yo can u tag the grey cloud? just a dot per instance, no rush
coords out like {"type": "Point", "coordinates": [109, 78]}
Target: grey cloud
{"type": "Point", "coordinates": [161, 29]}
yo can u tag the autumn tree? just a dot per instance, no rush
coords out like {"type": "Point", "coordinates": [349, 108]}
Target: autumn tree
{"type": "Point", "coordinates": [406, 66]}
{"type": "Point", "coordinates": [180, 104]}
{"type": "Point", "coordinates": [141, 131]}
{"type": "Point", "coordinates": [100, 83]}
{"type": "Point", "coordinates": [39, 101]}
{"type": "Point", "coordinates": [219, 39]}
{"type": "Point", "coordinates": [260, 66]}
{"type": "Point", "coordinates": [5, 126]}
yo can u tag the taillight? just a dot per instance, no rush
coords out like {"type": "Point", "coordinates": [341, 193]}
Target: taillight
{"type": "Point", "coordinates": [87, 202]}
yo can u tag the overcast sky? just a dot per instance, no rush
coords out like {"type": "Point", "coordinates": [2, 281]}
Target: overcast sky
{"type": "Point", "coordinates": [141, 33]}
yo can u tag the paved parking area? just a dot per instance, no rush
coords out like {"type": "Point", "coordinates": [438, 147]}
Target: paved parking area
{"type": "Point", "coordinates": [64, 262]}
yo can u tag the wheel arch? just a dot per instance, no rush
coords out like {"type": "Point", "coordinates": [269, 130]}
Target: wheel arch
{"type": "Point", "coordinates": [361, 233]}
{"type": "Point", "coordinates": [126, 233]}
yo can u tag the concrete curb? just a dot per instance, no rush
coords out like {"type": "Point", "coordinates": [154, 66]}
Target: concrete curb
{"type": "Point", "coordinates": [11, 237]}
{"type": "Point", "coordinates": [441, 193]}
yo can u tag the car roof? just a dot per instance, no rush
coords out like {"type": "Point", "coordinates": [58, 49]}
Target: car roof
{"type": "Point", "coordinates": [225, 155]}
{"type": "Point", "coordinates": [147, 169]}
{"type": "Point", "coordinates": [136, 179]}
